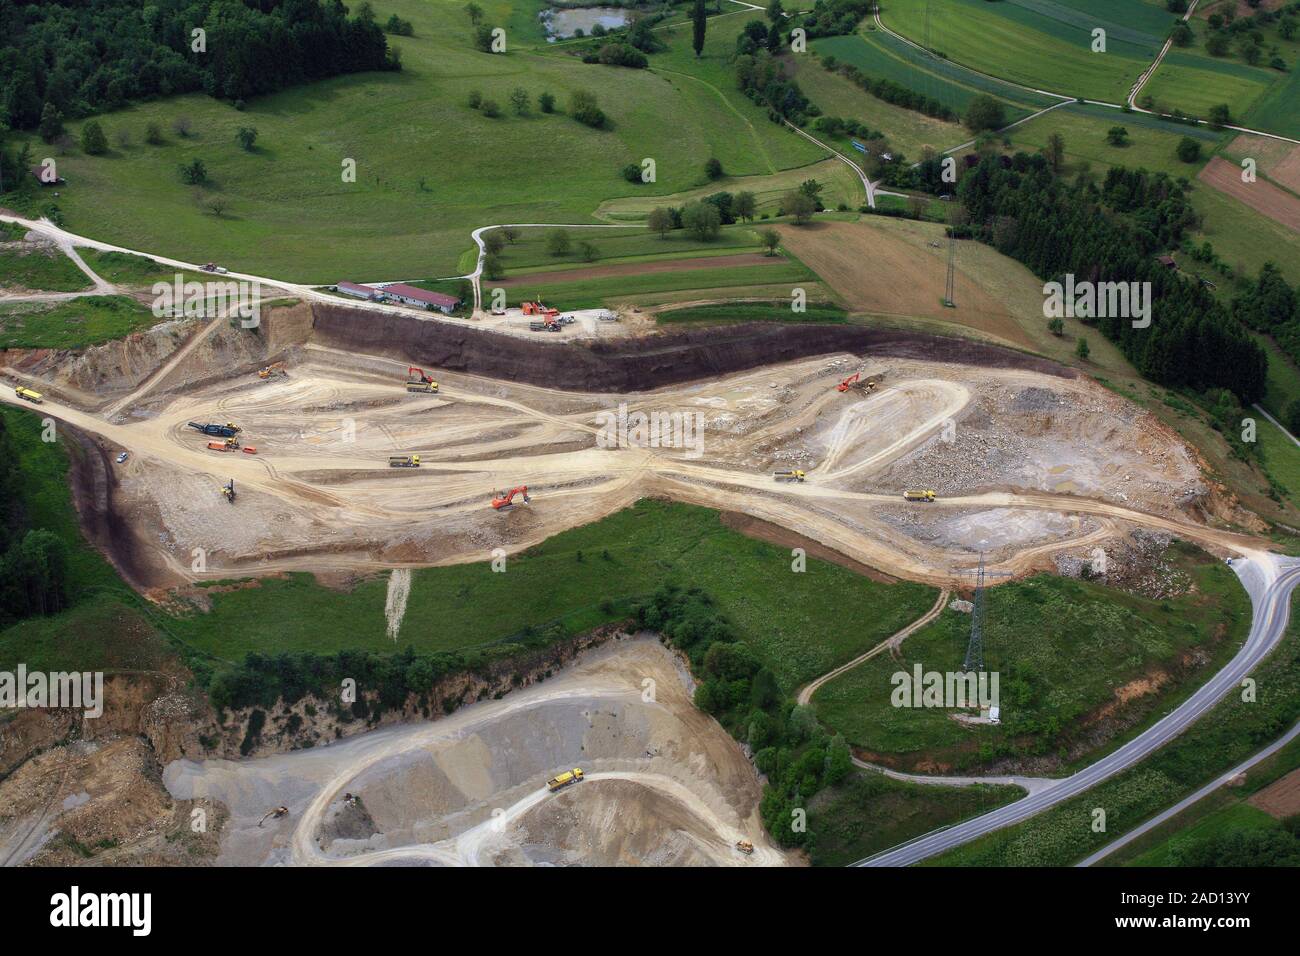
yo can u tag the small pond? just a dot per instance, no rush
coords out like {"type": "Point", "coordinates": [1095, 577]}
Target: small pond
{"type": "Point", "coordinates": [561, 24]}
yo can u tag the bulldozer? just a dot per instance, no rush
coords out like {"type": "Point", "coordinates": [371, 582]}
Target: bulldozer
{"type": "Point", "coordinates": [505, 499]}
{"type": "Point", "coordinates": [794, 474]}
{"type": "Point", "coordinates": [228, 490]}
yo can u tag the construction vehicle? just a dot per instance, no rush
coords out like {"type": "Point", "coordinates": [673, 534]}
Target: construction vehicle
{"type": "Point", "coordinates": [564, 779]}
{"type": "Point", "coordinates": [417, 381]}
{"type": "Point", "coordinates": [537, 326]}
{"type": "Point", "coordinates": [404, 461]}
{"type": "Point", "coordinates": [744, 846]}
{"type": "Point", "coordinates": [228, 490]}
{"type": "Point", "coordinates": [856, 383]}
{"type": "Point", "coordinates": [213, 267]}
{"type": "Point", "coordinates": [507, 498]}
{"type": "Point", "coordinates": [230, 444]}
{"type": "Point", "coordinates": [277, 813]}
{"type": "Point", "coordinates": [250, 450]}
{"type": "Point", "coordinates": [227, 430]}
{"type": "Point", "coordinates": [536, 308]}
{"type": "Point", "coordinates": [914, 494]}
{"type": "Point", "coordinates": [794, 474]}
{"type": "Point", "coordinates": [26, 394]}
{"type": "Point", "coordinates": [276, 368]}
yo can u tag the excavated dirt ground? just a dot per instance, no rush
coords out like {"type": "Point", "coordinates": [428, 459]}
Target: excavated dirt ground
{"type": "Point", "coordinates": [665, 784]}
{"type": "Point", "coordinates": [1024, 462]}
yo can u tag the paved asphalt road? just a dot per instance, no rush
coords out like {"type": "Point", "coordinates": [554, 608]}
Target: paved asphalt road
{"type": "Point", "coordinates": [1269, 579]}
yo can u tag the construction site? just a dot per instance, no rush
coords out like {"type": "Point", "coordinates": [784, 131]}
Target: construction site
{"type": "Point", "coordinates": [318, 444]}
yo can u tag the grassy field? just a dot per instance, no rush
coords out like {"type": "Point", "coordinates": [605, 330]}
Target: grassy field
{"type": "Point", "coordinates": [1281, 458]}
{"type": "Point", "coordinates": [1039, 43]}
{"type": "Point", "coordinates": [40, 269]}
{"type": "Point", "coordinates": [879, 55]}
{"type": "Point", "coordinates": [72, 324]}
{"type": "Point", "coordinates": [869, 812]}
{"type": "Point", "coordinates": [568, 579]}
{"type": "Point", "coordinates": [123, 269]}
{"type": "Point", "coordinates": [839, 185]}
{"type": "Point", "coordinates": [429, 169]}
{"type": "Point", "coordinates": [1223, 811]}
{"type": "Point", "coordinates": [1063, 648]}
{"type": "Point", "coordinates": [632, 244]}
{"type": "Point", "coordinates": [751, 312]}
{"type": "Point", "coordinates": [646, 289]}
{"type": "Point", "coordinates": [1220, 740]}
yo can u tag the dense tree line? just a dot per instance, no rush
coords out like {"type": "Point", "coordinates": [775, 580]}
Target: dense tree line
{"type": "Point", "coordinates": [889, 91]}
{"type": "Point", "coordinates": [1272, 307]}
{"type": "Point", "coordinates": [83, 57]}
{"type": "Point", "coordinates": [789, 746]}
{"type": "Point", "coordinates": [1113, 233]}
{"type": "Point", "coordinates": [834, 17]}
{"type": "Point", "coordinates": [762, 78]}
{"type": "Point", "coordinates": [33, 561]}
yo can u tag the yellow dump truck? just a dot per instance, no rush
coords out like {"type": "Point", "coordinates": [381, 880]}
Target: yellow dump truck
{"type": "Point", "coordinates": [793, 474]}
{"type": "Point", "coordinates": [564, 779]}
{"type": "Point", "coordinates": [404, 461]}
{"type": "Point", "coordinates": [28, 395]}
{"type": "Point", "coordinates": [913, 494]}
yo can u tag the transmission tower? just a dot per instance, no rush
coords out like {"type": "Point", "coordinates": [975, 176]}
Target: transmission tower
{"type": "Point", "coordinates": [950, 287]}
{"type": "Point", "coordinates": [975, 649]}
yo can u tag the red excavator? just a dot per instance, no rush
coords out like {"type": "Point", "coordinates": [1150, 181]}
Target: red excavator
{"type": "Point", "coordinates": [854, 383]}
{"type": "Point", "coordinates": [506, 499]}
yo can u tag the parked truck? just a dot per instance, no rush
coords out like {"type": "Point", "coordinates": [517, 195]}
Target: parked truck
{"type": "Point", "coordinates": [27, 395]}
{"type": "Point", "coordinates": [915, 494]}
{"type": "Point", "coordinates": [794, 474]}
{"type": "Point", "coordinates": [564, 779]}
{"type": "Point", "coordinates": [228, 430]}
{"type": "Point", "coordinates": [404, 461]}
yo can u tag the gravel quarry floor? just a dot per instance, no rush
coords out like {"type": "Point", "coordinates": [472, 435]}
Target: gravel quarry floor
{"type": "Point", "coordinates": [665, 784]}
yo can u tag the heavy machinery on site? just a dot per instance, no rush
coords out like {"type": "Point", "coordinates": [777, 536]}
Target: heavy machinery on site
{"type": "Point", "coordinates": [403, 461]}
{"type": "Point", "coordinates": [228, 430]}
{"type": "Point", "coordinates": [26, 394]}
{"type": "Point", "coordinates": [744, 846]}
{"type": "Point", "coordinates": [536, 308]}
{"type": "Point", "coordinates": [275, 368]}
{"type": "Point", "coordinates": [504, 499]}
{"type": "Point", "coordinates": [856, 383]}
{"type": "Point", "coordinates": [794, 474]}
{"type": "Point", "coordinates": [230, 444]}
{"type": "Point", "coordinates": [417, 381]}
{"type": "Point", "coordinates": [228, 491]}
{"type": "Point", "coordinates": [917, 494]}
{"type": "Point", "coordinates": [564, 779]}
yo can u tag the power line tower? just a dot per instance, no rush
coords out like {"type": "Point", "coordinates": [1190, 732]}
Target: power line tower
{"type": "Point", "coordinates": [950, 287]}
{"type": "Point", "coordinates": [975, 648]}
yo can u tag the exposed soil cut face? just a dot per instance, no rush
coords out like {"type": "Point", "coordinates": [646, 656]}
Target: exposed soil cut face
{"type": "Point", "coordinates": [665, 784]}
{"type": "Point", "coordinates": [1261, 196]}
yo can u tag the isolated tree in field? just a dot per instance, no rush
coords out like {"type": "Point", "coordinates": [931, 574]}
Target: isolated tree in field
{"type": "Point", "coordinates": [1217, 44]}
{"type": "Point", "coordinates": [1054, 151]}
{"type": "Point", "coordinates": [492, 267]}
{"type": "Point", "coordinates": [51, 127]}
{"type": "Point", "coordinates": [660, 221]}
{"type": "Point", "coordinates": [491, 109]}
{"type": "Point", "coordinates": [557, 242]}
{"type": "Point", "coordinates": [744, 206]}
{"type": "Point", "coordinates": [1081, 349]}
{"type": "Point", "coordinates": [583, 108]}
{"type": "Point", "coordinates": [1117, 136]}
{"type": "Point", "coordinates": [1182, 35]}
{"type": "Point", "coordinates": [1056, 327]}
{"type": "Point", "coordinates": [1220, 115]}
{"type": "Point", "coordinates": [153, 134]}
{"type": "Point", "coordinates": [194, 173]}
{"type": "Point", "coordinates": [702, 220]}
{"type": "Point", "coordinates": [216, 205]}
{"type": "Point", "coordinates": [799, 206]}
{"type": "Point", "coordinates": [771, 239]}
{"type": "Point", "coordinates": [984, 112]}
{"type": "Point", "coordinates": [246, 136]}
{"type": "Point", "coordinates": [493, 243]}
{"type": "Point", "coordinates": [510, 233]}
{"type": "Point", "coordinates": [588, 251]}
{"type": "Point", "coordinates": [182, 126]}
{"type": "Point", "coordinates": [93, 140]}
{"type": "Point", "coordinates": [483, 38]}
{"type": "Point", "coordinates": [1189, 150]}
{"type": "Point", "coordinates": [520, 100]}
{"type": "Point", "coordinates": [713, 168]}
{"type": "Point", "coordinates": [546, 102]}
{"type": "Point", "coordinates": [699, 21]}
{"type": "Point", "coordinates": [474, 12]}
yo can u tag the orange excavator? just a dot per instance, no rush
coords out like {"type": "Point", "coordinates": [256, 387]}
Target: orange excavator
{"type": "Point", "coordinates": [506, 499]}
{"type": "Point", "coordinates": [854, 383]}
